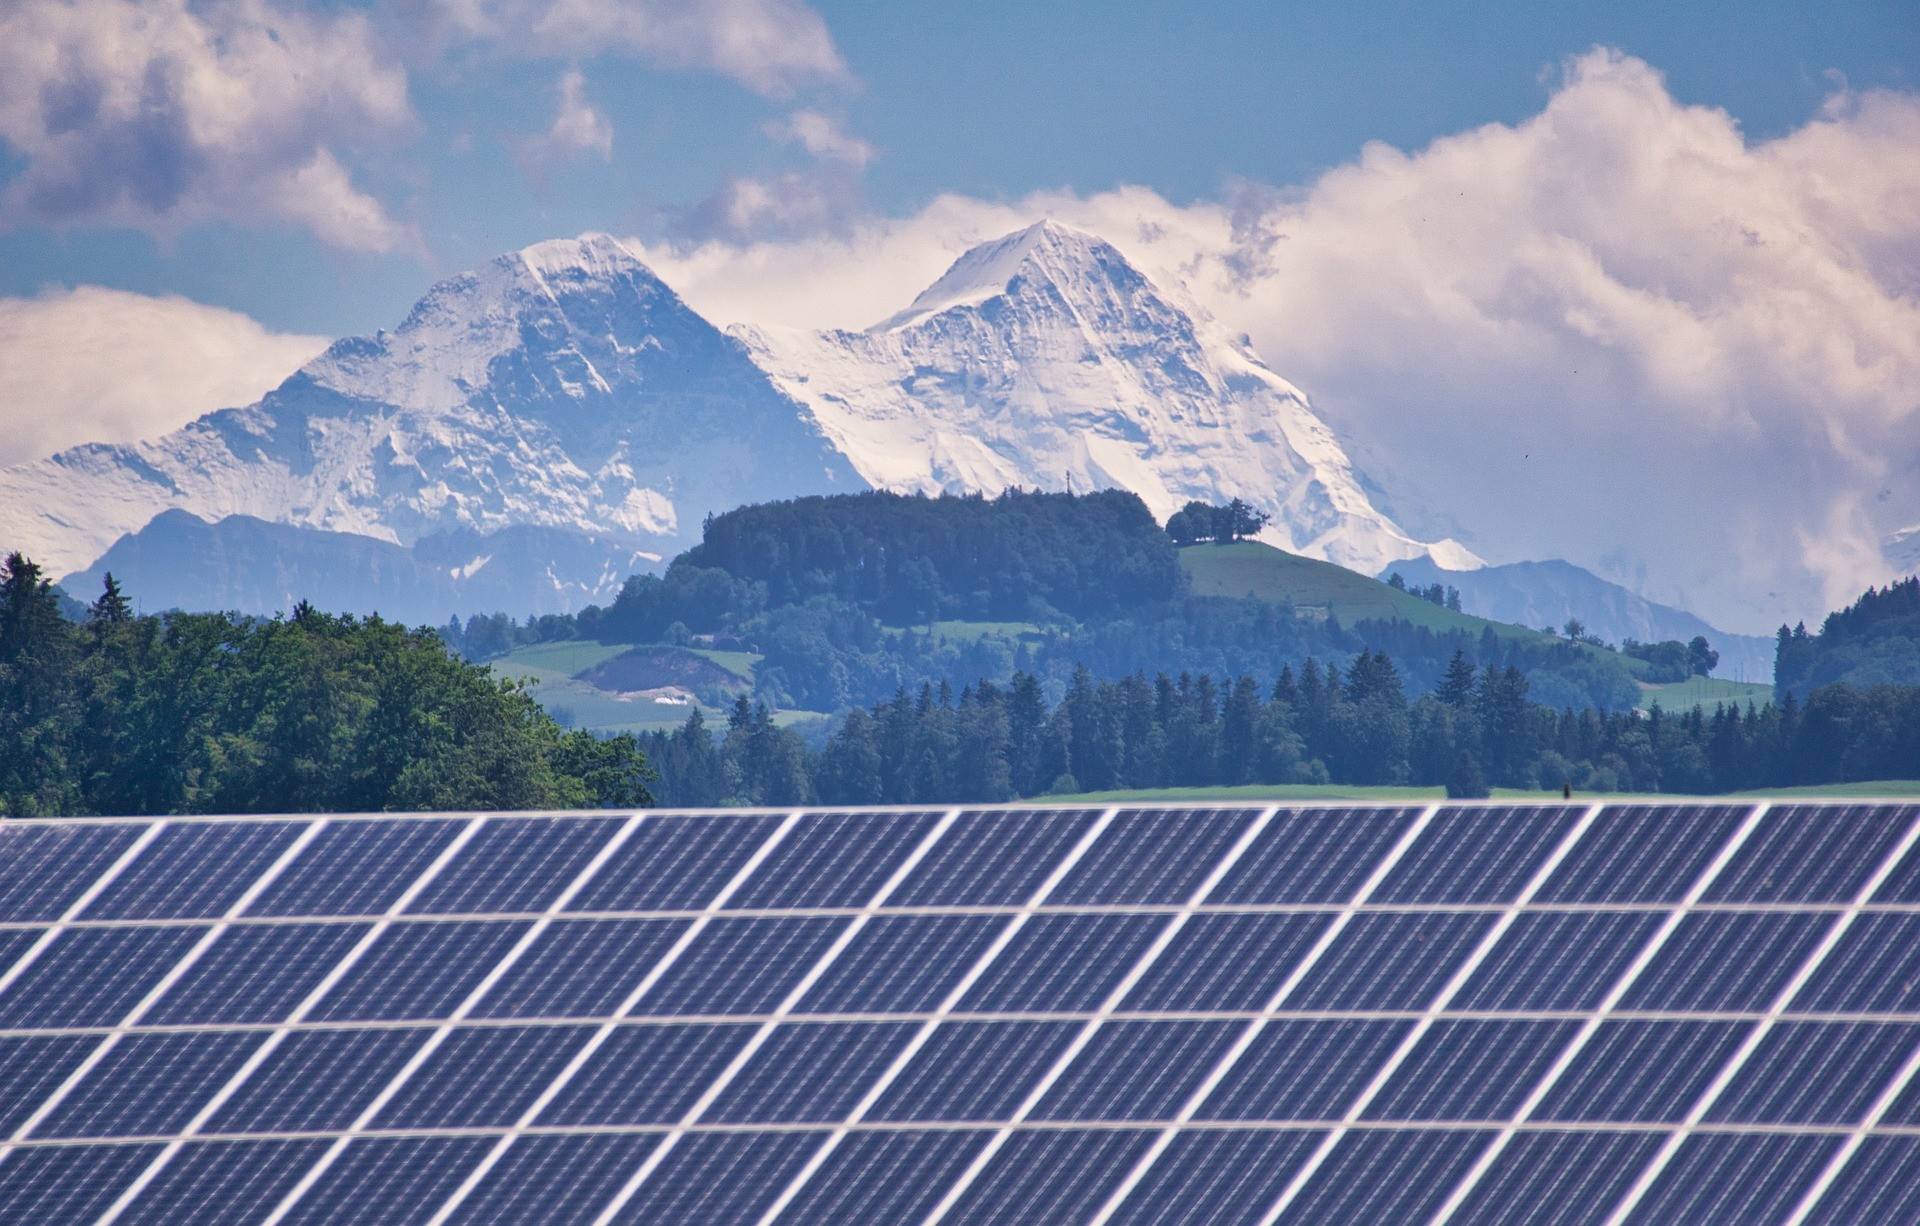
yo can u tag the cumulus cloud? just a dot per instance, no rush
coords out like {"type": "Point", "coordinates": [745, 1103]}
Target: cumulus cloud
{"type": "Point", "coordinates": [771, 46]}
{"type": "Point", "coordinates": [101, 365]}
{"type": "Point", "coordinates": [1618, 332]}
{"type": "Point", "coordinates": [822, 136]}
{"type": "Point", "coordinates": [160, 114]}
{"type": "Point", "coordinates": [578, 128]}
{"type": "Point", "coordinates": [825, 196]}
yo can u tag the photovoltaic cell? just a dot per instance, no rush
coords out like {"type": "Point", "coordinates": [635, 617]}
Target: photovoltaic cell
{"type": "Point", "coordinates": [92, 976]}
{"type": "Point", "coordinates": [903, 964]}
{"type": "Point", "coordinates": [383, 1181]}
{"type": "Point", "coordinates": [1381, 1176]}
{"type": "Point", "coordinates": [255, 973]}
{"type": "Point", "coordinates": [1476, 855]}
{"type": "Point", "coordinates": [1552, 960]}
{"type": "Point", "coordinates": [1227, 962]}
{"type": "Point", "coordinates": [516, 864]}
{"type": "Point", "coordinates": [884, 1177]}
{"type": "Point", "coordinates": [717, 1179]}
{"type": "Point", "coordinates": [419, 970]}
{"type": "Point", "coordinates": [1642, 1071]}
{"type": "Point", "coordinates": [974, 1071]}
{"type": "Point", "coordinates": [1716, 1177]}
{"type": "Point", "coordinates": [194, 870]}
{"type": "Point", "coordinates": [483, 1077]}
{"type": "Point", "coordinates": [1137, 1071]}
{"type": "Point", "coordinates": [1062, 962]}
{"type": "Point", "coordinates": [647, 1075]}
{"type": "Point", "coordinates": [1471, 1069]}
{"type": "Point", "coordinates": [67, 1183]}
{"type": "Point", "coordinates": [676, 863]}
{"type": "Point", "coordinates": [148, 1084]}
{"type": "Point", "coordinates": [1313, 856]}
{"type": "Point", "coordinates": [994, 858]}
{"type": "Point", "coordinates": [1391, 961]}
{"type": "Point", "coordinates": [31, 1068]}
{"type": "Point", "coordinates": [555, 1179]}
{"type": "Point", "coordinates": [315, 1080]}
{"type": "Point", "coordinates": [810, 1073]}
{"type": "Point", "coordinates": [357, 867]}
{"type": "Point", "coordinates": [1875, 968]}
{"type": "Point", "coordinates": [1903, 883]}
{"type": "Point", "coordinates": [1816, 1073]}
{"type": "Point", "coordinates": [1050, 1177]}
{"type": "Point", "coordinates": [741, 966]}
{"type": "Point", "coordinates": [1727, 961]}
{"type": "Point", "coordinates": [1643, 853]}
{"type": "Point", "coordinates": [45, 869]}
{"type": "Point", "coordinates": [1881, 1184]}
{"type": "Point", "coordinates": [1152, 857]}
{"type": "Point", "coordinates": [1217, 1176]}
{"type": "Point", "coordinates": [216, 1183]}
{"type": "Point", "coordinates": [1811, 853]}
{"type": "Point", "coordinates": [580, 968]}
{"type": "Point", "coordinates": [1304, 1070]}
{"type": "Point", "coordinates": [1558, 1179]}
{"type": "Point", "coordinates": [835, 860]}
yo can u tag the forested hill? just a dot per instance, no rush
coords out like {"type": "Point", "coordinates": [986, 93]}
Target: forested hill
{"type": "Point", "coordinates": [1874, 641]}
{"type": "Point", "coordinates": [909, 559]}
{"type": "Point", "coordinates": [850, 598]}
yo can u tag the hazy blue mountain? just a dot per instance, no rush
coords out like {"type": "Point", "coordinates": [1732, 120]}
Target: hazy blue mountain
{"type": "Point", "coordinates": [252, 566]}
{"type": "Point", "coordinates": [1538, 594]}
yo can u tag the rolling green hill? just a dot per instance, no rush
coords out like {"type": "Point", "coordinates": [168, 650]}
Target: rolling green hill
{"type": "Point", "coordinates": [1320, 589]}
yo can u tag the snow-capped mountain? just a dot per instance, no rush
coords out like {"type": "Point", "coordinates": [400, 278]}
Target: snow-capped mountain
{"type": "Point", "coordinates": [562, 387]}
{"type": "Point", "coordinates": [1044, 359]}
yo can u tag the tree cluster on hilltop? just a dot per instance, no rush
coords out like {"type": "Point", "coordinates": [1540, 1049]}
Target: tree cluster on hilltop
{"type": "Point", "coordinates": [1476, 730]}
{"type": "Point", "coordinates": [1874, 641]}
{"type": "Point", "coordinates": [210, 713]}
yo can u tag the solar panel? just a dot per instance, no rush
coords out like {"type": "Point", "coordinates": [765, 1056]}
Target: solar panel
{"type": "Point", "coordinates": [1255, 1014]}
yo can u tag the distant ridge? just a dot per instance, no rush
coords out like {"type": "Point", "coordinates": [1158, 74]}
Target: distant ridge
{"type": "Point", "coordinates": [1539, 594]}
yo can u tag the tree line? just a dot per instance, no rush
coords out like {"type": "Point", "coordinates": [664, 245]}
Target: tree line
{"type": "Point", "coordinates": [211, 713]}
{"type": "Point", "coordinates": [1476, 730]}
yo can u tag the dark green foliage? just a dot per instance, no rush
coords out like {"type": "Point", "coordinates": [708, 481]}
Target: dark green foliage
{"type": "Point", "coordinates": [1321, 725]}
{"type": "Point", "coordinates": [909, 559]}
{"type": "Point", "coordinates": [1875, 641]}
{"type": "Point", "coordinates": [1673, 660]}
{"type": "Point", "coordinates": [212, 713]}
{"type": "Point", "coordinates": [1200, 521]}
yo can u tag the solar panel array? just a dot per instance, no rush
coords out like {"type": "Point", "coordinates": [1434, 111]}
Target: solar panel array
{"type": "Point", "coordinates": [1462, 1014]}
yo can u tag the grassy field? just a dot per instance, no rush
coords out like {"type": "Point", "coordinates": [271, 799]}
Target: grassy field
{"type": "Point", "coordinates": [1249, 568]}
{"type": "Point", "coordinates": [969, 632]}
{"type": "Point", "coordinates": [1891, 788]}
{"type": "Point", "coordinates": [1706, 692]}
{"type": "Point", "coordinates": [549, 661]}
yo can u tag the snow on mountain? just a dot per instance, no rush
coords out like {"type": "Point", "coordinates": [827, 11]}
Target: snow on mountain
{"type": "Point", "coordinates": [562, 387]}
{"type": "Point", "coordinates": [1044, 359]}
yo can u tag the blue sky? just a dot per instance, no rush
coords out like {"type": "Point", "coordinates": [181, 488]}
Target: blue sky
{"type": "Point", "coordinates": [1634, 285]}
{"type": "Point", "coordinates": [990, 99]}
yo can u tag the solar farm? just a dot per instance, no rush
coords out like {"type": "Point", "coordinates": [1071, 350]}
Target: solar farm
{"type": "Point", "coordinates": [1259, 1014]}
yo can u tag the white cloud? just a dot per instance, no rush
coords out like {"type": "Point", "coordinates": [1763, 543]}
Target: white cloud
{"type": "Point", "coordinates": [158, 114]}
{"type": "Point", "coordinates": [771, 46]}
{"type": "Point", "coordinates": [578, 128]}
{"type": "Point", "coordinates": [1617, 333]}
{"type": "Point", "coordinates": [101, 365]}
{"type": "Point", "coordinates": [822, 136]}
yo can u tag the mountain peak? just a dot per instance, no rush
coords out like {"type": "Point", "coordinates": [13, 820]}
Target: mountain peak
{"type": "Point", "coordinates": [1046, 248]}
{"type": "Point", "coordinates": [592, 255]}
